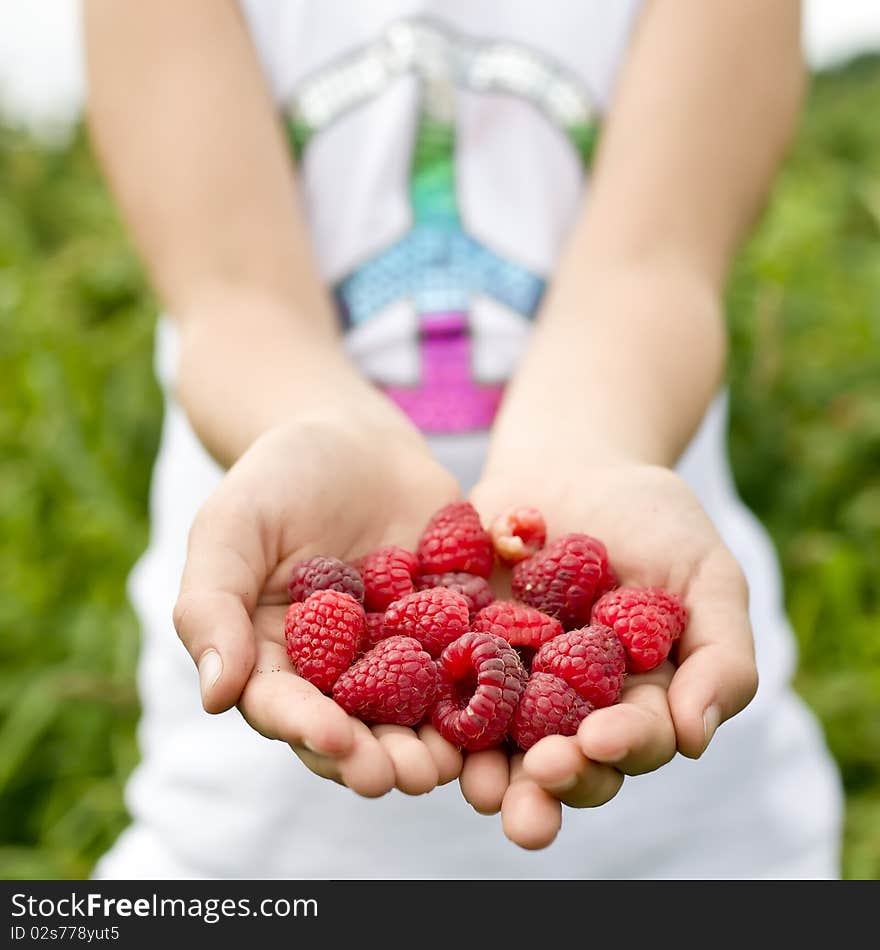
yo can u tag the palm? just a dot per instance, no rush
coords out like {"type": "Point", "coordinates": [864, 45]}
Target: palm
{"type": "Point", "coordinates": [657, 534]}
{"type": "Point", "coordinates": [341, 498]}
{"type": "Point", "coordinates": [298, 492]}
{"type": "Point", "coordinates": [654, 528]}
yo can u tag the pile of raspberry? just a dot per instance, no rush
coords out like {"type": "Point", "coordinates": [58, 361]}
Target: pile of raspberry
{"type": "Point", "coordinates": [406, 638]}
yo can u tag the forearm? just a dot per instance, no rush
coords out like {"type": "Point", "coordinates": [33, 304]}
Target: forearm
{"type": "Point", "coordinates": [630, 342]}
{"type": "Point", "coordinates": [192, 147]}
{"type": "Point", "coordinates": [626, 374]}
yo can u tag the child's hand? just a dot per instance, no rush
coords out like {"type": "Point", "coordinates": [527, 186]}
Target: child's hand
{"type": "Point", "coordinates": [657, 534]}
{"type": "Point", "coordinates": [317, 486]}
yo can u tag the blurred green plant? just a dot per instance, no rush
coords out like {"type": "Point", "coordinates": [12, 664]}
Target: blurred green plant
{"type": "Point", "coordinates": [79, 419]}
{"type": "Point", "coordinates": [79, 422]}
{"type": "Point", "coordinates": [805, 429]}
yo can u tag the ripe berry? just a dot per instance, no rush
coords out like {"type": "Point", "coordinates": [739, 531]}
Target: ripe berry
{"type": "Point", "coordinates": [324, 573]}
{"type": "Point", "coordinates": [480, 683]}
{"type": "Point", "coordinates": [323, 634]}
{"type": "Point", "coordinates": [387, 575]}
{"type": "Point", "coordinates": [646, 619]}
{"type": "Point", "coordinates": [592, 661]}
{"type": "Point", "coordinates": [472, 587]}
{"type": "Point", "coordinates": [394, 682]}
{"type": "Point", "coordinates": [434, 617]}
{"type": "Point", "coordinates": [563, 580]}
{"type": "Point", "coordinates": [519, 624]}
{"type": "Point", "coordinates": [455, 540]}
{"type": "Point", "coordinates": [548, 707]}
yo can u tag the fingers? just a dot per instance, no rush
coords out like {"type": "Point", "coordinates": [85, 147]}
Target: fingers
{"type": "Point", "coordinates": [447, 758]}
{"type": "Point", "coordinates": [415, 770]}
{"type": "Point", "coordinates": [716, 676]}
{"type": "Point", "coordinates": [281, 705]}
{"type": "Point", "coordinates": [713, 684]}
{"type": "Point", "coordinates": [559, 767]}
{"type": "Point", "coordinates": [418, 762]}
{"type": "Point", "coordinates": [367, 769]}
{"type": "Point", "coordinates": [484, 780]}
{"type": "Point", "coordinates": [322, 765]}
{"type": "Point", "coordinates": [223, 575]}
{"type": "Point", "coordinates": [216, 630]}
{"type": "Point", "coordinates": [530, 816]}
{"type": "Point", "coordinates": [637, 735]}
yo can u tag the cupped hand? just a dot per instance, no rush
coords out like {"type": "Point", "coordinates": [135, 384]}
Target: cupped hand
{"type": "Point", "coordinates": [314, 486]}
{"type": "Point", "coordinates": [657, 534]}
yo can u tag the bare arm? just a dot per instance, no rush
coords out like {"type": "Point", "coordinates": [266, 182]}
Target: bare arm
{"type": "Point", "coordinates": [628, 351]}
{"type": "Point", "coordinates": [632, 332]}
{"type": "Point", "coordinates": [190, 140]}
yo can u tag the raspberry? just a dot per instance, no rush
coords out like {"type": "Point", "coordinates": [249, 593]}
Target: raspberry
{"type": "Point", "coordinates": [480, 682]}
{"type": "Point", "coordinates": [518, 624]}
{"type": "Point", "coordinates": [548, 707]}
{"type": "Point", "coordinates": [373, 631]}
{"type": "Point", "coordinates": [591, 660]}
{"type": "Point", "coordinates": [323, 634]}
{"type": "Point", "coordinates": [474, 589]}
{"type": "Point", "coordinates": [454, 540]}
{"type": "Point", "coordinates": [563, 580]}
{"type": "Point", "coordinates": [518, 533]}
{"type": "Point", "coordinates": [324, 573]}
{"type": "Point", "coordinates": [646, 619]}
{"type": "Point", "coordinates": [388, 575]}
{"type": "Point", "coordinates": [434, 617]}
{"type": "Point", "coordinates": [395, 682]}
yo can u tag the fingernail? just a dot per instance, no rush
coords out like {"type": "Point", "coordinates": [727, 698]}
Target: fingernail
{"type": "Point", "coordinates": [210, 669]}
{"type": "Point", "coordinates": [711, 721]}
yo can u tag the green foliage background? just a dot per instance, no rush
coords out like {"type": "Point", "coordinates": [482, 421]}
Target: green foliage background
{"type": "Point", "coordinates": [80, 416]}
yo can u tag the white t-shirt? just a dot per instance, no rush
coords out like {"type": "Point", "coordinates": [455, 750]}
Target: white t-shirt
{"type": "Point", "coordinates": [443, 150]}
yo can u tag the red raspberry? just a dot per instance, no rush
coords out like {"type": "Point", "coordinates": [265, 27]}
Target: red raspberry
{"type": "Point", "coordinates": [563, 580]}
{"type": "Point", "coordinates": [474, 589]}
{"type": "Point", "coordinates": [548, 707]}
{"type": "Point", "coordinates": [480, 682]}
{"type": "Point", "coordinates": [388, 575]}
{"type": "Point", "coordinates": [646, 619]}
{"type": "Point", "coordinates": [518, 624]}
{"type": "Point", "coordinates": [454, 540]}
{"type": "Point", "coordinates": [434, 617]}
{"type": "Point", "coordinates": [373, 631]}
{"type": "Point", "coordinates": [591, 660]}
{"type": "Point", "coordinates": [518, 533]}
{"type": "Point", "coordinates": [395, 682]}
{"type": "Point", "coordinates": [323, 634]}
{"type": "Point", "coordinates": [324, 573]}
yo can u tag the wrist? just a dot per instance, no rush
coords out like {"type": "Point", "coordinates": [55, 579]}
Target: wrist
{"type": "Point", "coordinates": [624, 373]}
{"type": "Point", "coordinates": [250, 365]}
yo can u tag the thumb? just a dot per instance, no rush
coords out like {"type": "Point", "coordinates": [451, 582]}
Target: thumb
{"type": "Point", "coordinates": [216, 630]}
{"type": "Point", "coordinates": [222, 579]}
